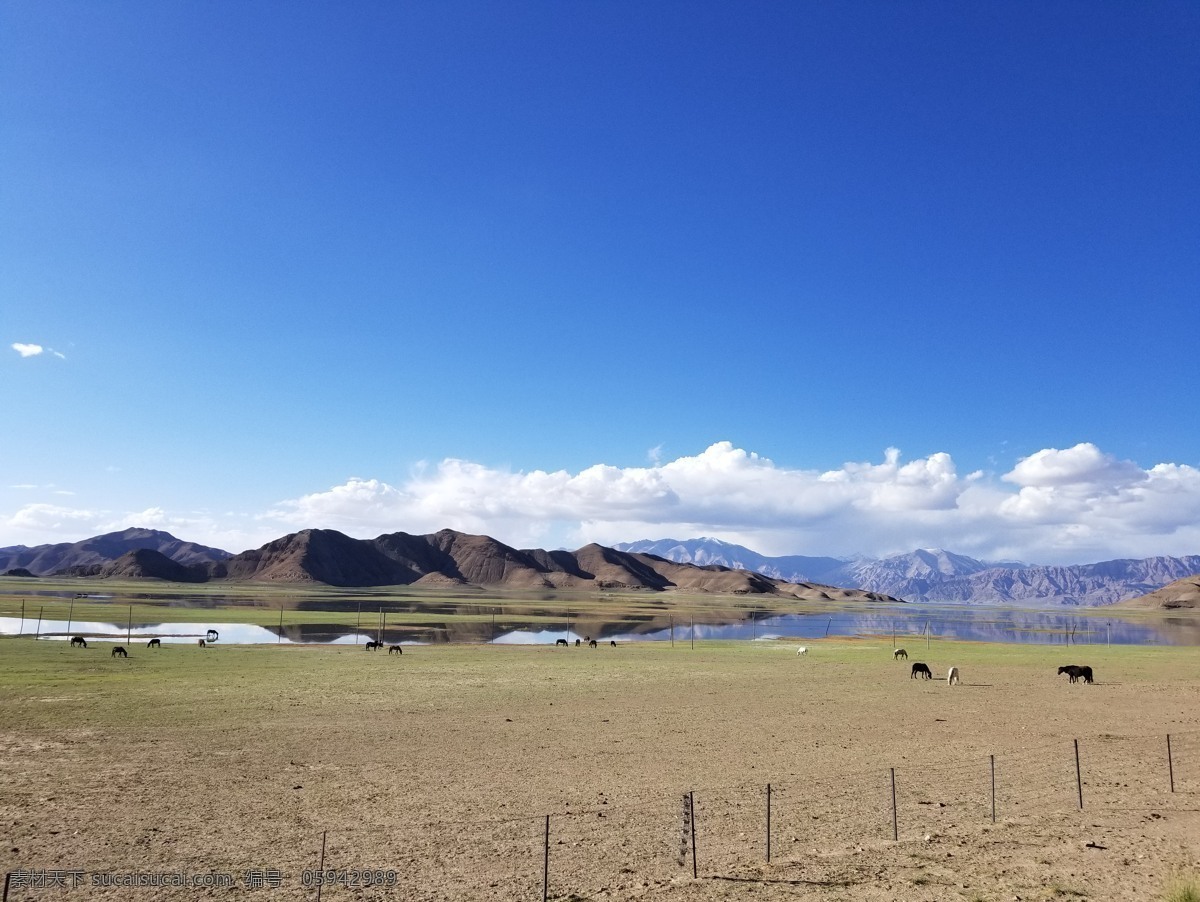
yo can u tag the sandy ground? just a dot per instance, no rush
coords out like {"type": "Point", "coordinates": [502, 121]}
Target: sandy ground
{"type": "Point", "coordinates": [441, 765]}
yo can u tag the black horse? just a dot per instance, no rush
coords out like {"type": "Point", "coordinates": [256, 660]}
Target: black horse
{"type": "Point", "coordinates": [1077, 672]}
{"type": "Point", "coordinates": [395, 650]}
{"type": "Point", "coordinates": [372, 645]}
{"type": "Point", "coordinates": [591, 643]}
{"type": "Point", "coordinates": [154, 643]}
{"type": "Point", "coordinates": [922, 669]}
{"type": "Point", "coordinates": [120, 652]}
{"type": "Point", "coordinates": [562, 642]}
{"type": "Point", "coordinates": [78, 640]}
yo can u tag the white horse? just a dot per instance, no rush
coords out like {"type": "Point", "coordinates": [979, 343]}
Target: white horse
{"type": "Point", "coordinates": [802, 650]}
{"type": "Point", "coordinates": [952, 676]}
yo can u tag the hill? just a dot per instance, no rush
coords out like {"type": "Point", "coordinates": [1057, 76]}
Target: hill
{"type": "Point", "coordinates": [1181, 595]}
{"type": "Point", "coordinates": [448, 557]}
{"type": "Point", "coordinates": [44, 560]}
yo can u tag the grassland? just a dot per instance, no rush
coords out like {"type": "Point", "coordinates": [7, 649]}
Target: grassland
{"type": "Point", "coordinates": [442, 763]}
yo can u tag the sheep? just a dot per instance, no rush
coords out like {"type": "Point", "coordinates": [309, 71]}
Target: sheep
{"type": "Point", "coordinates": [802, 650]}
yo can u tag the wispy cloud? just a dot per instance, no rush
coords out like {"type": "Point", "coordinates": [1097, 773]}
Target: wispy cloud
{"type": "Point", "coordinates": [1057, 506]}
{"type": "Point", "coordinates": [32, 350]}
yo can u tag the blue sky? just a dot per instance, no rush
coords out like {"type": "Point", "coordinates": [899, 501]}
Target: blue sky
{"type": "Point", "coordinates": [383, 266]}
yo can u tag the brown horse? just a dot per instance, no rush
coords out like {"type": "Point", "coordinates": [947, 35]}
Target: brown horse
{"type": "Point", "coordinates": [78, 640]}
{"type": "Point", "coordinates": [201, 643]}
{"type": "Point", "coordinates": [119, 652]}
{"type": "Point", "coordinates": [395, 650]}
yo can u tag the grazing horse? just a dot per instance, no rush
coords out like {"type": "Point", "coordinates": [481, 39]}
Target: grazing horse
{"type": "Point", "coordinates": [802, 650]}
{"type": "Point", "coordinates": [922, 669]}
{"type": "Point", "coordinates": [1077, 672]}
{"type": "Point", "coordinates": [395, 650]}
{"type": "Point", "coordinates": [612, 642]}
{"type": "Point", "coordinates": [562, 642]}
{"type": "Point", "coordinates": [78, 640]}
{"type": "Point", "coordinates": [1071, 670]}
{"type": "Point", "coordinates": [119, 652]}
{"type": "Point", "coordinates": [372, 645]}
{"type": "Point", "coordinates": [952, 676]}
{"type": "Point", "coordinates": [201, 643]}
{"type": "Point", "coordinates": [154, 643]}
{"type": "Point", "coordinates": [898, 654]}
{"type": "Point", "coordinates": [592, 643]}
{"type": "Point", "coordinates": [577, 643]}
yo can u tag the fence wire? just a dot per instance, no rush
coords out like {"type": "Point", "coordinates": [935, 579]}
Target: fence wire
{"type": "Point", "coordinates": [624, 847]}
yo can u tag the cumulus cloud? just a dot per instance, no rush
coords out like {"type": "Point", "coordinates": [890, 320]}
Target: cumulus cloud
{"type": "Point", "coordinates": [1068, 506]}
{"type": "Point", "coordinates": [32, 350]}
{"type": "Point", "coordinates": [1063, 506]}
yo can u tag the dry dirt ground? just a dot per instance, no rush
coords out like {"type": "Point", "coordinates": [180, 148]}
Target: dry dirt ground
{"type": "Point", "coordinates": [441, 764]}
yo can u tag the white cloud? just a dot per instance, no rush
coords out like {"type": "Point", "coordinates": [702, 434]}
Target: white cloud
{"type": "Point", "coordinates": [32, 350]}
{"type": "Point", "coordinates": [1070, 505]}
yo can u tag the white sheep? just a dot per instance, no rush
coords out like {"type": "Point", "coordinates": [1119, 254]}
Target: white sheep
{"type": "Point", "coordinates": [802, 650]}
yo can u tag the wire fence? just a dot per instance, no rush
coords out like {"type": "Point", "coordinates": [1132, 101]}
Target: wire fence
{"type": "Point", "coordinates": [708, 831]}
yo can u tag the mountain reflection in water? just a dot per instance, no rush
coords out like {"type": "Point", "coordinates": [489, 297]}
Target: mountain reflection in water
{"type": "Point", "coordinates": [908, 622]}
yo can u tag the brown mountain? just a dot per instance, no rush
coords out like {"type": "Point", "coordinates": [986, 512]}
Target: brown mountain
{"type": "Point", "coordinates": [141, 563]}
{"type": "Point", "coordinates": [44, 560]}
{"type": "Point", "coordinates": [1183, 594]}
{"type": "Point", "coordinates": [450, 558]}
{"type": "Point", "coordinates": [454, 558]}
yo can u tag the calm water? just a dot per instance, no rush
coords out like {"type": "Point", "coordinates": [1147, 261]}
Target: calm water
{"type": "Point", "coordinates": [909, 623]}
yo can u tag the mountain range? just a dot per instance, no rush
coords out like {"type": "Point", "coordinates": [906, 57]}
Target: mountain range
{"type": "Point", "coordinates": [445, 558]}
{"type": "Point", "coordinates": [938, 575]}
{"type": "Point", "coordinates": [450, 558]}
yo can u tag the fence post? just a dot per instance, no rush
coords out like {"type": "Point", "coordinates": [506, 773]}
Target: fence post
{"type": "Point", "coordinates": [895, 819]}
{"type": "Point", "coordinates": [546, 863]}
{"type": "Point", "coordinates": [692, 818]}
{"type": "Point", "coordinates": [992, 759]}
{"type": "Point", "coordinates": [38, 634]}
{"type": "Point", "coordinates": [768, 823]}
{"type": "Point", "coordinates": [321, 866]}
{"type": "Point", "coordinates": [1078, 776]}
{"type": "Point", "coordinates": [1170, 764]}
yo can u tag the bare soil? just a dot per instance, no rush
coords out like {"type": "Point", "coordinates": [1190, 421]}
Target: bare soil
{"type": "Point", "coordinates": [442, 764]}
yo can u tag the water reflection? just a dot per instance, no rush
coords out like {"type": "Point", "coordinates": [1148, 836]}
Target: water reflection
{"type": "Point", "coordinates": [908, 623]}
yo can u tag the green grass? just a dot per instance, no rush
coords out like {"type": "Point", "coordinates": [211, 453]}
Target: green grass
{"type": "Point", "coordinates": [1182, 889]}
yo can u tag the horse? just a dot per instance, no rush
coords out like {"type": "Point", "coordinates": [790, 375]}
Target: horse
{"type": "Point", "coordinates": [577, 643]}
{"type": "Point", "coordinates": [562, 642]}
{"type": "Point", "coordinates": [953, 676]}
{"type": "Point", "coordinates": [119, 652]}
{"type": "Point", "coordinates": [612, 642]}
{"type": "Point", "coordinates": [1077, 672]}
{"type": "Point", "coordinates": [395, 650]}
{"type": "Point", "coordinates": [201, 643]}
{"type": "Point", "coordinates": [802, 650]}
{"type": "Point", "coordinates": [154, 643]}
{"type": "Point", "coordinates": [78, 640]}
{"type": "Point", "coordinates": [922, 669]}
{"type": "Point", "coordinates": [591, 643]}
{"type": "Point", "coordinates": [372, 645]}
{"type": "Point", "coordinates": [898, 654]}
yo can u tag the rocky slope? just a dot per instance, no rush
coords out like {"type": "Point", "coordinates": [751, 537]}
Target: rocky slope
{"type": "Point", "coordinates": [43, 560]}
{"type": "Point", "coordinates": [937, 575]}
